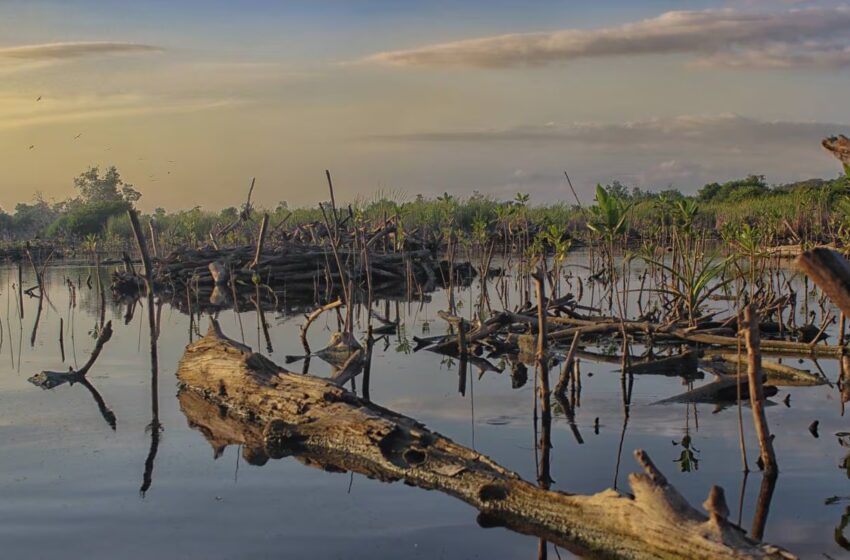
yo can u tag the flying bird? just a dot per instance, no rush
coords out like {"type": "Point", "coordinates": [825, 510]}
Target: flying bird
{"type": "Point", "coordinates": [31, 146]}
{"type": "Point", "coordinates": [38, 98]}
{"type": "Point", "coordinates": [78, 135]}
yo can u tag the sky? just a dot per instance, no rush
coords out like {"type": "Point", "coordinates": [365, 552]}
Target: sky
{"type": "Point", "coordinates": [192, 99]}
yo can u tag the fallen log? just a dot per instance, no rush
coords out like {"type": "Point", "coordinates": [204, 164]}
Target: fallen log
{"type": "Point", "coordinates": [292, 414]}
{"type": "Point", "coordinates": [831, 272]}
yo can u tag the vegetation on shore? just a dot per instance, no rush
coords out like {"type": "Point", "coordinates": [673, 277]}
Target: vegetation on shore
{"type": "Point", "coordinates": [806, 212]}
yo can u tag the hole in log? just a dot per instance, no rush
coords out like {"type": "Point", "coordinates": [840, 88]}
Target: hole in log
{"type": "Point", "coordinates": [222, 390]}
{"type": "Point", "coordinates": [394, 446]}
{"type": "Point", "coordinates": [492, 493]}
{"type": "Point", "coordinates": [280, 439]}
{"type": "Point", "coordinates": [414, 457]}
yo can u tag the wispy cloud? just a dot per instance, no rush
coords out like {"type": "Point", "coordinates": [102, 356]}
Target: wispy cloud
{"type": "Point", "coordinates": [32, 57]}
{"type": "Point", "coordinates": [725, 35]}
{"type": "Point", "coordinates": [686, 151]}
{"type": "Point", "coordinates": [54, 51]}
{"type": "Point", "coordinates": [808, 55]}
{"type": "Point", "coordinates": [18, 111]}
{"type": "Point", "coordinates": [728, 132]}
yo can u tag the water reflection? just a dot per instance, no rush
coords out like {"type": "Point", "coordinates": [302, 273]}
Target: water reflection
{"type": "Point", "coordinates": [621, 402]}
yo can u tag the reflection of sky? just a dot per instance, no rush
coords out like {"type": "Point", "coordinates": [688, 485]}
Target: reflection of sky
{"type": "Point", "coordinates": [64, 474]}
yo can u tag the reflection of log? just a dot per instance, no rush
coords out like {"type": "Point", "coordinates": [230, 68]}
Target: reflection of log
{"type": "Point", "coordinates": [724, 390]}
{"type": "Point", "coordinates": [774, 373]}
{"type": "Point", "coordinates": [680, 365]}
{"type": "Point", "coordinates": [287, 413]}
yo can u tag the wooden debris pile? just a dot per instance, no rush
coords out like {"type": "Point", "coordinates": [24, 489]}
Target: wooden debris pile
{"type": "Point", "coordinates": [293, 267]}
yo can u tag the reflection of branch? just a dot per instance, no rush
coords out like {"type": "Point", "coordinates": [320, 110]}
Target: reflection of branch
{"type": "Point", "coordinates": [105, 411]}
{"type": "Point", "coordinates": [147, 476]}
{"type": "Point", "coordinates": [52, 379]}
{"type": "Point", "coordinates": [569, 413]}
{"type": "Point", "coordinates": [37, 316]}
{"type": "Point", "coordinates": [768, 485]}
{"type": "Point", "coordinates": [153, 325]}
{"type": "Point", "coordinates": [840, 539]}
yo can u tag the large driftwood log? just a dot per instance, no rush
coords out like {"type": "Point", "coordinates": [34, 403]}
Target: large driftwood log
{"type": "Point", "coordinates": [288, 413]}
{"type": "Point", "coordinates": [831, 272]}
{"type": "Point", "coordinates": [839, 146]}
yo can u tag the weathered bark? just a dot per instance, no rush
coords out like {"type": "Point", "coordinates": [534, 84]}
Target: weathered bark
{"type": "Point", "coordinates": [831, 272]}
{"type": "Point", "coordinates": [277, 413]}
{"type": "Point", "coordinates": [838, 146]}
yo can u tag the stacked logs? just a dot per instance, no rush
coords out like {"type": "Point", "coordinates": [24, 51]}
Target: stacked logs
{"type": "Point", "coordinates": [294, 268]}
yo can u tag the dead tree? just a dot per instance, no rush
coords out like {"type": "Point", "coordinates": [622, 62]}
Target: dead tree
{"type": "Point", "coordinates": [316, 420]}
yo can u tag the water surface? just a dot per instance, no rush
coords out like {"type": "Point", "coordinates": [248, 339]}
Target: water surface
{"type": "Point", "coordinates": [71, 486]}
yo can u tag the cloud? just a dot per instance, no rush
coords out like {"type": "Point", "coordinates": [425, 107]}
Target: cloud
{"type": "Point", "coordinates": [686, 151]}
{"type": "Point", "coordinates": [59, 51]}
{"type": "Point", "coordinates": [703, 33]}
{"type": "Point", "coordinates": [35, 57]}
{"type": "Point", "coordinates": [16, 111]}
{"type": "Point", "coordinates": [724, 132]}
{"type": "Point", "coordinates": [781, 56]}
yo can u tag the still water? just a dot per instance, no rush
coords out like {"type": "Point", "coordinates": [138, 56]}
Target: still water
{"type": "Point", "coordinates": [72, 486]}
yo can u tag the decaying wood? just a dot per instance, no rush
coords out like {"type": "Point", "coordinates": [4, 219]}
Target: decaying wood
{"type": "Point", "coordinates": [275, 413]}
{"type": "Point", "coordinates": [312, 317]}
{"type": "Point", "coordinates": [831, 272]}
{"type": "Point", "coordinates": [838, 146]}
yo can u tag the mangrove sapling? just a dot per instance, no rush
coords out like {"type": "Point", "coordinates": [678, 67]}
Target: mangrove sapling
{"type": "Point", "coordinates": [693, 283]}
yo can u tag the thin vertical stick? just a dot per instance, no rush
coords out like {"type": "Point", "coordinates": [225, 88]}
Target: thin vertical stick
{"type": "Point", "coordinates": [21, 290]}
{"type": "Point", "coordinates": [752, 340]}
{"type": "Point", "coordinates": [260, 239]}
{"type": "Point", "coordinates": [333, 203]}
{"type": "Point", "coordinates": [62, 338]}
{"type": "Point", "coordinates": [154, 238]}
{"type": "Point", "coordinates": [543, 477]}
{"type": "Point", "coordinates": [741, 438]}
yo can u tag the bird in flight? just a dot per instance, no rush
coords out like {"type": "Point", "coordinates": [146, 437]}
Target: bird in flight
{"type": "Point", "coordinates": [31, 146]}
{"type": "Point", "coordinates": [38, 98]}
{"type": "Point", "coordinates": [78, 135]}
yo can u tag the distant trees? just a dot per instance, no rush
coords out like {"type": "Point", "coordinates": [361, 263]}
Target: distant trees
{"type": "Point", "coordinates": [732, 191]}
{"type": "Point", "coordinates": [109, 187]}
{"type": "Point", "coordinates": [102, 196]}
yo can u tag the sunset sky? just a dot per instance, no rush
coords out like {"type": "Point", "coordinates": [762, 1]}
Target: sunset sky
{"type": "Point", "coordinates": [191, 99]}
